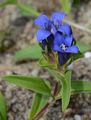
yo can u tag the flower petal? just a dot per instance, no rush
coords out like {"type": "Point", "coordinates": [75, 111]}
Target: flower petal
{"type": "Point", "coordinates": [42, 20]}
{"type": "Point", "coordinates": [53, 29]}
{"type": "Point", "coordinates": [63, 58]}
{"type": "Point", "coordinates": [57, 48]}
{"type": "Point", "coordinates": [59, 39]}
{"type": "Point", "coordinates": [42, 34]}
{"type": "Point", "coordinates": [50, 40]}
{"type": "Point", "coordinates": [66, 29]}
{"type": "Point", "coordinates": [44, 44]}
{"type": "Point", "coordinates": [58, 16]}
{"type": "Point", "coordinates": [68, 40]}
{"type": "Point", "coordinates": [72, 49]}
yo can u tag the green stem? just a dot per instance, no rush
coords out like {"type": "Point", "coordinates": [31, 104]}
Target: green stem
{"type": "Point", "coordinates": [41, 112]}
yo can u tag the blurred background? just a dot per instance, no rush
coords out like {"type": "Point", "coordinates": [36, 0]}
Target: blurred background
{"type": "Point", "coordinates": [18, 56]}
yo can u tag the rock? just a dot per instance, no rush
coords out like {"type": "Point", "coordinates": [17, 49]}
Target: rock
{"type": "Point", "coordinates": [77, 117]}
{"type": "Point", "coordinates": [87, 54]}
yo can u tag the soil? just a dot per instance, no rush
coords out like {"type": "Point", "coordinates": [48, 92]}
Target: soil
{"type": "Point", "coordinates": [17, 31]}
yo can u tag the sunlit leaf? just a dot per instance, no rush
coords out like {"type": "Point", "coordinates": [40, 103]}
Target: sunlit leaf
{"type": "Point", "coordinates": [30, 52]}
{"type": "Point", "coordinates": [35, 84]}
{"type": "Point", "coordinates": [2, 108]}
{"type": "Point", "coordinates": [27, 10]}
{"type": "Point", "coordinates": [39, 101]}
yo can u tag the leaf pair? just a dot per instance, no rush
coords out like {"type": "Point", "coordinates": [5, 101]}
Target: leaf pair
{"type": "Point", "coordinates": [68, 86]}
{"type": "Point", "coordinates": [65, 92]}
{"type": "Point", "coordinates": [65, 81]}
{"type": "Point", "coordinates": [39, 86]}
{"type": "Point", "coordinates": [41, 98]}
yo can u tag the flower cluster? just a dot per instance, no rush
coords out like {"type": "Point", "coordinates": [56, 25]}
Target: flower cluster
{"type": "Point", "coordinates": [56, 35]}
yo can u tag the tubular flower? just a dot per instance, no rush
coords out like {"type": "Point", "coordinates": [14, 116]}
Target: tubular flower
{"type": "Point", "coordinates": [48, 28]}
{"type": "Point", "coordinates": [56, 35]}
{"type": "Point", "coordinates": [64, 46]}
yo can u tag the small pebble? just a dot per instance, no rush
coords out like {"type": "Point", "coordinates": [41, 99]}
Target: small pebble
{"type": "Point", "coordinates": [77, 117]}
{"type": "Point", "coordinates": [35, 72]}
{"type": "Point", "coordinates": [70, 67]}
{"type": "Point", "coordinates": [87, 55]}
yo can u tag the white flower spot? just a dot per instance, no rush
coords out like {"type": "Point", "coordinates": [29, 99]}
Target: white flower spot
{"type": "Point", "coordinates": [63, 47]}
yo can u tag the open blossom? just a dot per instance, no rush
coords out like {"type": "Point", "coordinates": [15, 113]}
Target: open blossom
{"type": "Point", "coordinates": [64, 46]}
{"type": "Point", "coordinates": [48, 28]}
{"type": "Point", "coordinates": [56, 35]}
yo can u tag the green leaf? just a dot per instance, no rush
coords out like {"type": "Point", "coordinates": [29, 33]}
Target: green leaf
{"type": "Point", "coordinates": [76, 3]}
{"type": "Point", "coordinates": [35, 84]}
{"type": "Point", "coordinates": [66, 4]}
{"type": "Point", "coordinates": [35, 105]}
{"type": "Point", "coordinates": [77, 56]}
{"type": "Point", "coordinates": [83, 47]}
{"type": "Point", "coordinates": [7, 2]}
{"type": "Point", "coordinates": [39, 101]}
{"type": "Point", "coordinates": [30, 52]}
{"type": "Point", "coordinates": [34, 52]}
{"type": "Point", "coordinates": [44, 63]}
{"type": "Point", "coordinates": [0, 117]}
{"type": "Point", "coordinates": [78, 86]}
{"type": "Point", "coordinates": [2, 108]}
{"type": "Point", "coordinates": [66, 87]}
{"type": "Point", "coordinates": [28, 10]}
{"type": "Point", "coordinates": [50, 67]}
{"type": "Point", "coordinates": [66, 93]}
{"type": "Point", "coordinates": [66, 90]}
{"type": "Point", "coordinates": [11, 1]}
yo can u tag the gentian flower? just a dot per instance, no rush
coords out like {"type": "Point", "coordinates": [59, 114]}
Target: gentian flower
{"type": "Point", "coordinates": [64, 46]}
{"type": "Point", "coordinates": [48, 28]}
{"type": "Point", "coordinates": [56, 35]}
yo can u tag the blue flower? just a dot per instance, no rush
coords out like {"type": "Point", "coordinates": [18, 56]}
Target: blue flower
{"type": "Point", "coordinates": [64, 46]}
{"type": "Point", "coordinates": [49, 27]}
{"type": "Point", "coordinates": [63, 58]}
{"type": "Point", "coordinates": [45, 31]}
{"type": "Point", "coordinates": [49, 43]}
{"type": "Point", "coordinates": [56, 35]}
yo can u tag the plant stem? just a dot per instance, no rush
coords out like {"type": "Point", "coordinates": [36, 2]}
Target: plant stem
{"type": "Point", "coordinates": [41, 112]}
